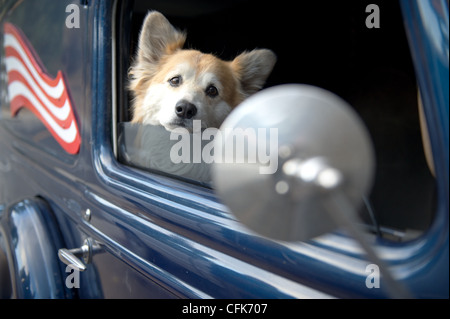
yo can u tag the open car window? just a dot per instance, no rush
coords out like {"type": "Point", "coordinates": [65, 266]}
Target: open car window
{"type": "Point", "coordinates": [326, 45]}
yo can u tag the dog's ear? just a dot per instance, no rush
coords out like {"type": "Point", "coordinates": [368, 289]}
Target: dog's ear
{"type": "Point", "coordinates": [157, 38]}
{"type": "Point", "coordinates": [253, 68]}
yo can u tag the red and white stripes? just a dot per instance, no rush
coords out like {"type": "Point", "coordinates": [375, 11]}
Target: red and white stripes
{"type": "Point", "coordinates": [31, 87]}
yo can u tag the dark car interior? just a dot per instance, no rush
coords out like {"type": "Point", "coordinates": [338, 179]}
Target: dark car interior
{"type": "Point", "coordinates": [326, 44]}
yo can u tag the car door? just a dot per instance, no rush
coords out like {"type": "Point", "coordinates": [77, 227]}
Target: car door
{"type": "Point", "coordinates": [178, 234]}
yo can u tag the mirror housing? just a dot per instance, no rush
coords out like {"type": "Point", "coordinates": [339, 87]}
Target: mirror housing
{"type": "Point", "coordinates": [319, 146]}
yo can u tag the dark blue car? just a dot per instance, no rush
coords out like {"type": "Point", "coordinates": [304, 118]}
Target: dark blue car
{"type": "Point", "coordinates": [361, 211]}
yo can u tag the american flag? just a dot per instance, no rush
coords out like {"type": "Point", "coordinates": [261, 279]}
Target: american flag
{"type": "Point", "coordinates": [30, 86]}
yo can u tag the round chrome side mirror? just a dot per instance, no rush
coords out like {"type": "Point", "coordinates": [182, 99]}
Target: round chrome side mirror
{"type": "Point", "coordinates": [284, 151]}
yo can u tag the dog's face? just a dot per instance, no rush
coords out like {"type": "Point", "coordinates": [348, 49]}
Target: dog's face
{"type": "Point", "coordinates": [172, 87]}
{"type": "Point", "coordinates": [189, 85]}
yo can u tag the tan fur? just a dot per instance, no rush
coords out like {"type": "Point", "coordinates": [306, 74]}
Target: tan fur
{"type": "Point", "coordinates": [203, 63]}
{"type": "Point", "coordinates": [160, 52]}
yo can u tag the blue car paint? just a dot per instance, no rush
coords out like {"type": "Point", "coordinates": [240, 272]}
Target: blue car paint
{"type": "Point", "coordinates": [32, 238]}
{"type": "Point", "coordinates": [427, 27]}
{"type": "Point", "coordinates": [168, 239]}
{"type": "Point", "coordinates": [427, 24]}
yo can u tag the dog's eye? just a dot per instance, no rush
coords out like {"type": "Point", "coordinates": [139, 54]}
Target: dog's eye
{"type": "Point", "coordinates": [211, 91]}
{"type": "Point", "coordinates": [175, 81]}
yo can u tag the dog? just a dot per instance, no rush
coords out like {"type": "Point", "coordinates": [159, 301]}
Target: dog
{"type": "Point", "coordinates": [172, 86]}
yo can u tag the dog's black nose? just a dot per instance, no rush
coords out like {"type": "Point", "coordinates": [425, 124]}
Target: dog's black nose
{"type": "Point", "coordinates": [185, 110]}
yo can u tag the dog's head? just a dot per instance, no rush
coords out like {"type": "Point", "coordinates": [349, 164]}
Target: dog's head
{"type": "Point", "coordinates": [172, 87]}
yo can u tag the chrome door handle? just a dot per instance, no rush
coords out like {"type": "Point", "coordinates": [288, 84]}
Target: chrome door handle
{"type": "Point", "coordinates": [78, 257]}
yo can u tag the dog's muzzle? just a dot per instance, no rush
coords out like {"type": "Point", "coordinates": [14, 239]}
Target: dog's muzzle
{"type": "Point", "coordinates": [185, 110]}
